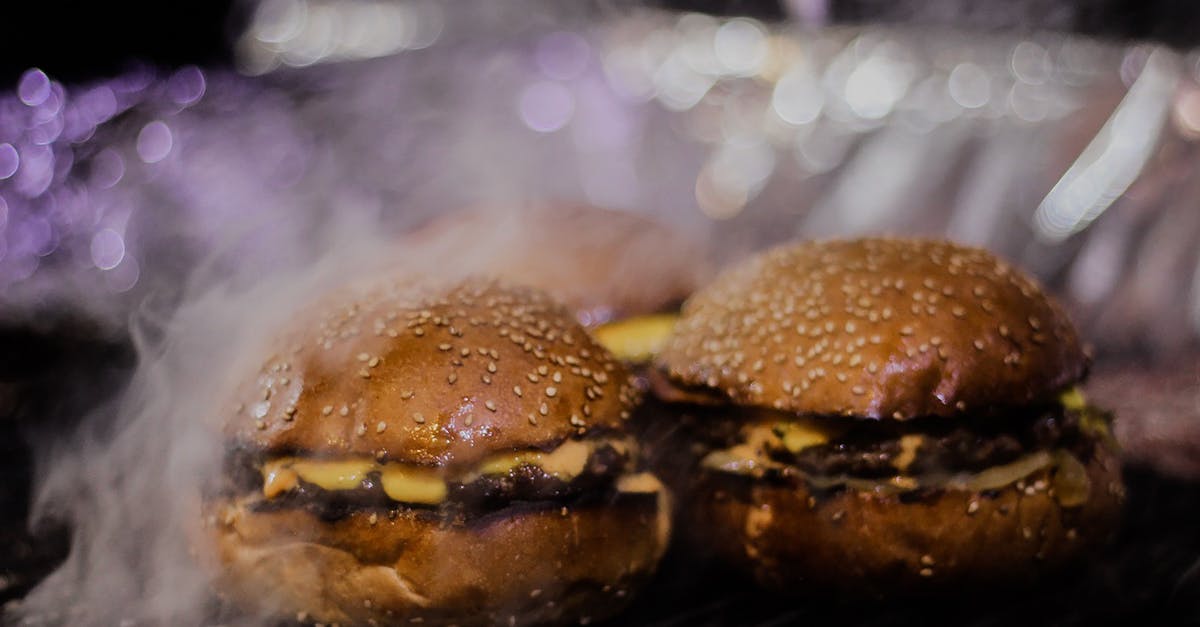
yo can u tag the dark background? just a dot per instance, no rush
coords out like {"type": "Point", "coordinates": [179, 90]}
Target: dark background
{"type": "Point", "coordinates": [77, 41]}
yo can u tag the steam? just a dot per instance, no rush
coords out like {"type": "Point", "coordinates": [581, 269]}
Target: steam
{"type": "Point", "coordinates": [222, 210]}
{"type": "Point", "coordinates": [130, 480]}
{"type": "Point", "coordinates": [261, 208]}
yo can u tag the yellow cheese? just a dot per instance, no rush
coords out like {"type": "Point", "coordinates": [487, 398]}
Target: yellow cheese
{"type": "Point", "coordinates": [565, 462]}
{"type": "Point", "coordinates": [281, 475]}
{"type": "Point", "coordinates": [990, 479]}
{"type": "Point", "coordinates": [640, 483]}
{"type": "Point", "coordinates": [408, 484]}
{"type": "Point", "coordinates": [636, 339]}
{"type": "Point", "coordinates": [1072, 487]}
{"type": "Point", "coordinates": [1073, 399]}
{"type": "Point", "coordinates": [278, 478]}
{"type": "Point", "coordinates": [909, 444]}
{"type": "Point", "coordinates": [802, 433]}
{"type": "Point", "coordinates": [997, 477]}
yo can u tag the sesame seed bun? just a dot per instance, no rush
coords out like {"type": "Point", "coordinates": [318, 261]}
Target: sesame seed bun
{"type": "Point", "coordinates": [602, 264]}
{"type": "Point", "coordinates": [867, 544]}
{"type": "Point", "coordinates": [443, 378]}
{"type": "Point", "coordinates": [875, 328]}
{"type": "Point", "coordinates": [448, 379]}
{"type": "Point", "coordinates": [541, 566]}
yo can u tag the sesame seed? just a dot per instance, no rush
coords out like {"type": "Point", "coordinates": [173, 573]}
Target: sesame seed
{"type": "Point", "coordinates": [327, 410]}
{"type": "Point", "coordinates": [452, 378]}
{"type": "Point", "coordinates": [374, 362]}
{"type": "Point", "coordinates": [344, 411]}
{"type": "Point", "coordinates": [491, 405]}
{"type": "Point", "coordinates": [363, 356]}
{"type": "Point", "coordinates": [551, 391]}
{"type": "Point", "coordinates": [926, 572]}
{"type": "Point", "coordinates": [381, 427]}
{"type": "Point", "coordinates": [517, 390]}
{"type": "Point", "coordinates": [260, 425]}
{"type": "Point", "coordinates": [361, 430]}
{"type": "Point", "coordinates": [444, 347]}
{"type": "Point", "coordinates": [544, 409]}
{"type": "Point", "coordinates": [418, 418]}
{"type": "Point", "coordinates": [406, 394]}
{"type": "Point", "coordinates": [978, 344]}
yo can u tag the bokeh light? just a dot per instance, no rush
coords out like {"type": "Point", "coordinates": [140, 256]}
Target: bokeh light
{"type": "Point", "coordinates": [546, 106]}
{"type": "Point", "coordinates": [155, 141]}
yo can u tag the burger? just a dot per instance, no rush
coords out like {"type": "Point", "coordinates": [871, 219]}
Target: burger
{"type": "Point", "coordinates": [455, 455]}
{"type": "Point", "coordinates": [582, 255]}
{"type": "Point", "coordinates": [886, 417]}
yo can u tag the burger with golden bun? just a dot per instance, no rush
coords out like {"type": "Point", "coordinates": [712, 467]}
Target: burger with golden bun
{"type": "Point", "coordinates": [888, 416]}
{"type": "Point", "coordinates": [454, 456]}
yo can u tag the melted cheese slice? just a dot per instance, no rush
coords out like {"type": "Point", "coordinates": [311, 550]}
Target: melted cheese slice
{"type": "Point", "coordinates": [800, 433]}
{"type": "Point", "coordinates": [565, 462]}
{"type": "Point", "coordinates": [636, 339]}
{"type": "Point", "coordinates": [1073, 399]}
{"type": "Point", "coordinates": [750, 455]}
{"type": "Point", "coordinates": [408, 483]}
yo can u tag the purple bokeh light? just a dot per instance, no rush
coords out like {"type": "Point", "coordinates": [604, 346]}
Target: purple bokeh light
{"type": "Point", "coordinates": [37, 170]}
{"type": "Point", "coordinates": [108, 249]}
{"type": "Point", "coordinates": [9, 160]}
{"type": "Point", "coordinates": [154, 142]}
{"type": "Point", "coordinates": [33, 88]}
{"type": "Point", "coordinates": [186, 85]}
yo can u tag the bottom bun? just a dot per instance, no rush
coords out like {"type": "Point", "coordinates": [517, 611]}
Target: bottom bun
{"type": "Point", "coordinates": [521, 565]}
{"type": "Point", "coordinates": [864, 544]}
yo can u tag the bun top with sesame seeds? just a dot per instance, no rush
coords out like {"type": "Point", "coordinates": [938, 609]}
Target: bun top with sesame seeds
{"type": "Point", "coordinates": [875, 328]}
{"type": "Point", "coordinates": [439, 377]}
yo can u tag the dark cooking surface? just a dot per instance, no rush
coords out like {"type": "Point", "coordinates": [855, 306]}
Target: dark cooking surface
{"type": "Point", "coordinates": [1150, 575]}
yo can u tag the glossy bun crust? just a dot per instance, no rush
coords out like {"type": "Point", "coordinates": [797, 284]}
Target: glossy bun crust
{"type": "Point", "coordinates": [863, 544]}
{"type": "Point", "coordinates": [536, 566]}
{"type": "Point", "coordinates": [390, 371]}
{"type": "Point", "coordinates": [876, 328]}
